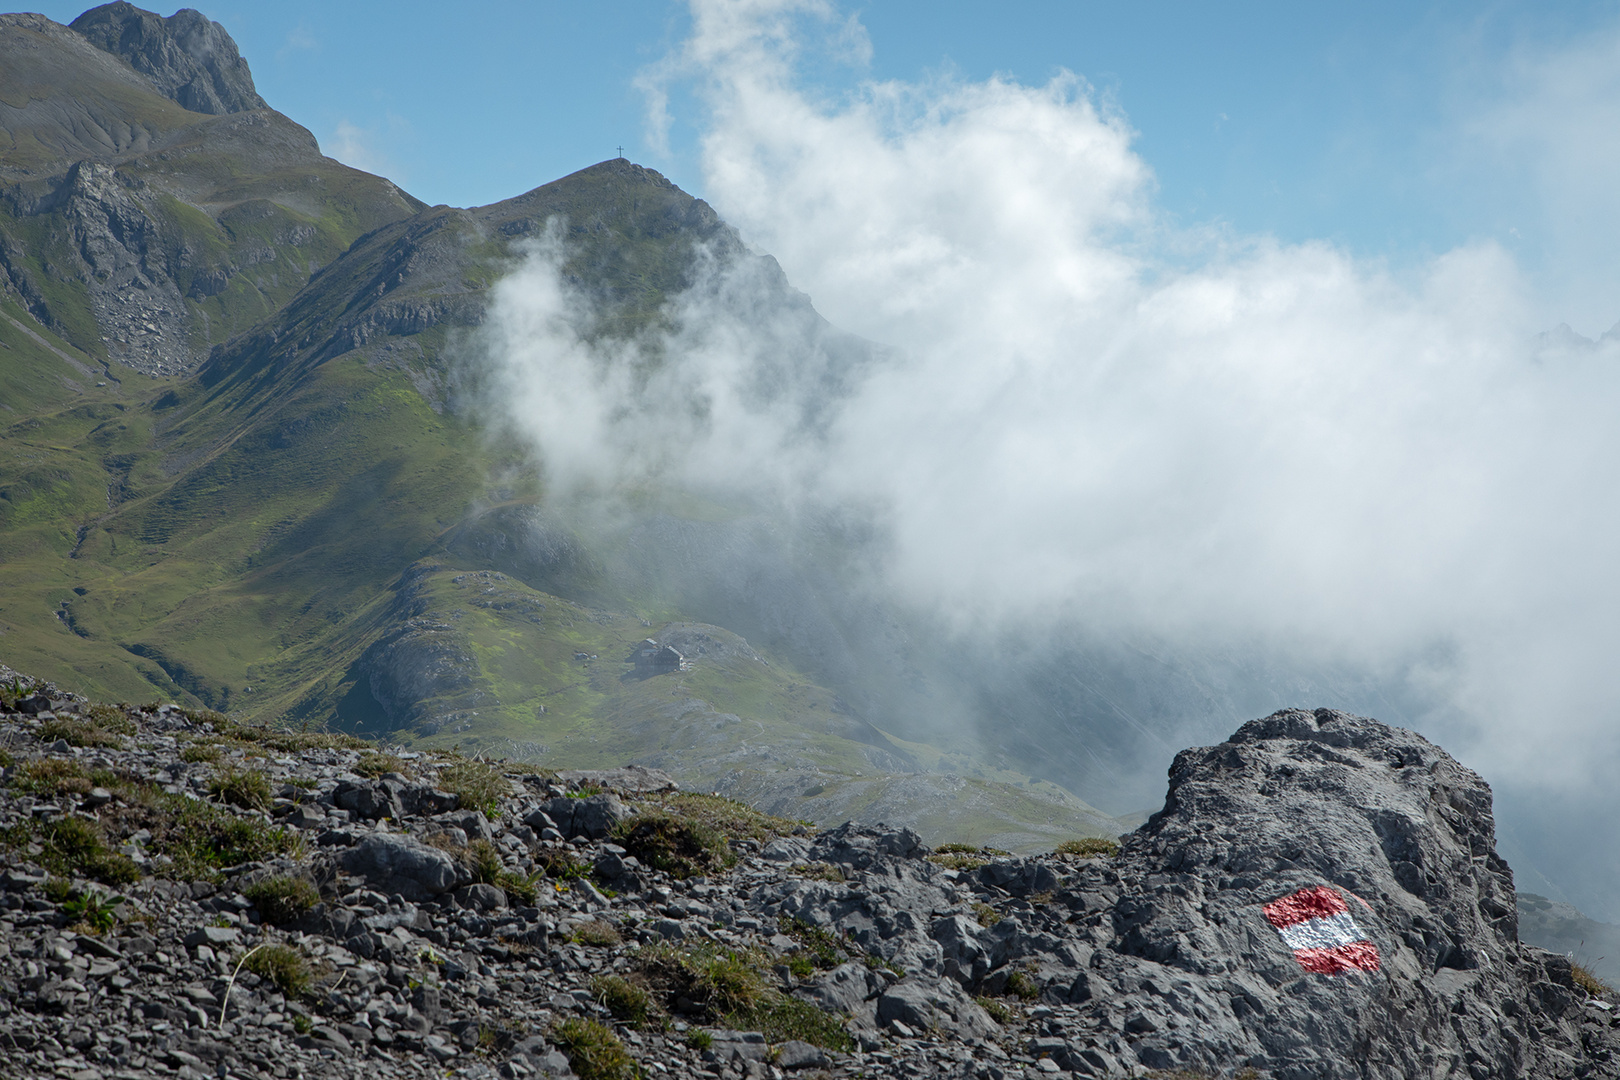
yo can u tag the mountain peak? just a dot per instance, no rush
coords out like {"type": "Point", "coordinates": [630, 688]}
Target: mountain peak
{"type": "Point", "coordinates": [190, 60]}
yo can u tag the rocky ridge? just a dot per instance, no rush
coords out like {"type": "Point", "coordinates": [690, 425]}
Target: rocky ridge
{"type": "Point", "coordinates": [193, 61]}
{"type": "Point", "coordinates": [414, 916]}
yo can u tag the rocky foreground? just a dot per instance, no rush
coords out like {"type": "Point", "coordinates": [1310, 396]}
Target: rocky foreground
{"type": "Point", "coordinates": [184, 896]}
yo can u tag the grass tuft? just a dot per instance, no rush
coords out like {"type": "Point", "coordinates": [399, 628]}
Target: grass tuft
{"type": "Point", "coordinates": [998, 1010]}
{"type": "Point", "coordinates": [1588, 983]}
{"type": "Point", "coordinates": [283, 898]}
{"type": "Point", "coordinates": [627, 1001]}
{"type": "Point", "coordinates": [483, 861]}
{"type": "Point", "coordinates": [603, 935]}
{"type": "Point", "coordinates": [283, 966]}
{"type": "Point", "coordinates": [74, 847]}
{"type": "Point", "coordinates": [818, 948]}
{"type": "Point", "coordinates": [478, 784]}
{"type": "Point", "coordinates": [1089, 848]}
{"type": "Point", "coordinates": [375, 763]}
{"type": "Point", "coordinates": [52, 776]}
{"type": "Point", "coordinates": [88, 910]}
{"type": "Point", "coordinates": [247, 788]}
{"type": "Point", "coordinates": [1021, 985]}
{"type": "Point", "coordinates": [80, 733]}
{"type": "Point", "coordinates": [201, 751]}
{"type": "Point", "coordinates": [564, 864]}
{"type": "Point", "coordinates": [736, 987]}
{"type": "Point", "coordinates": [679, 846]}
{"type": "Point", "coordinates": [954, 861]}
{"type": "Point", "coordinates": [594, 1052]}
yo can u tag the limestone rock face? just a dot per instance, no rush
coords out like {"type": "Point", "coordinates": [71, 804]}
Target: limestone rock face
{"type": "Point", "coordinates": [191, 60]}
{"type": "Point", "coordinates": [1396, 840]}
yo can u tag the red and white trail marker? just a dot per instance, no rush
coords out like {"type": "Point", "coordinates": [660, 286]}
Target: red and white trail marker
{"type": "Point", "coordinates": [1316, 924]}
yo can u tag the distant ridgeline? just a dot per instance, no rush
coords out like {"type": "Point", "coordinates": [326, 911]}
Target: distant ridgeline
{"type": "Point", "coordinates": [236, 474]}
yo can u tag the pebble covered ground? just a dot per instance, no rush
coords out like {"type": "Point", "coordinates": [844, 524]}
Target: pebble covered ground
{"type": "Point", "coordinates": [185, 896]}
{"type": "Point", "coordinates": [456, 920]}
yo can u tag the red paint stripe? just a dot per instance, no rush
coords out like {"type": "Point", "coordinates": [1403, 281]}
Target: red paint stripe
{"type": "Point", "coordinates": [1361, 956]}
{"type": "Point", "coordinates": [1305, 904]}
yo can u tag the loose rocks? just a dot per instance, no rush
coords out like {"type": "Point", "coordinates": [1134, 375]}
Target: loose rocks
{"type": "Point", "coordinates": [1319, 897]}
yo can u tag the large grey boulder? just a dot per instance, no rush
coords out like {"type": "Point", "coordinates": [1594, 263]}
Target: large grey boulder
{"type": "Point", "coordinates": [968, 949]}
{"type": "Point", "coordinates": [1320, 897]}
{"type": "Point", "coordinates": [392, 863]}
{"type": "Point", "coordinates": [370, 799]}
{"type": "Point", "coordinates": [845, 989]}
{"type": "Point", "coordinates": [592, 817]}
{"type": "Point", "coordinates": [860, 846]}
{"type": "Point", "coordinates": [924, 1004]}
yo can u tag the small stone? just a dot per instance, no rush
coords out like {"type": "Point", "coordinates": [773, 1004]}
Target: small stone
{"type": "Point", "coordinates": [796, 1054]}
{"type": "Point", "coordinates": [213, 935]}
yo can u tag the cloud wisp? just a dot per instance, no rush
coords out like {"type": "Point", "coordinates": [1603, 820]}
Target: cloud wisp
{"type": "Point", "coordinates": [1090, 416]}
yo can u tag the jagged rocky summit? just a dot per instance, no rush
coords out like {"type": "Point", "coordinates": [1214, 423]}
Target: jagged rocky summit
{"type": "Point", "coordinates": [1319, 897]}
{"type": "Point", "coordinates": [191, 60]}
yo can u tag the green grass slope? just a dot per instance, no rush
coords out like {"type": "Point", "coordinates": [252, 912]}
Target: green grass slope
{"type": "Point", "coordinates": [307, 527]}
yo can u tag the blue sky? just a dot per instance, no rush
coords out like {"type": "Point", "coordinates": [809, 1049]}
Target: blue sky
{"type": "Point", "coordinates": [1340, 122]}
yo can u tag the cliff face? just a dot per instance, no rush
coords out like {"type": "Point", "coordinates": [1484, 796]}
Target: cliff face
{"type": "Point", "coordinates": [1319, 898]}
{"type": "Point", "coordinates": [193, 61]}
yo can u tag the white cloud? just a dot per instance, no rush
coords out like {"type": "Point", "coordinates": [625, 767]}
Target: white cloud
{"type": "Point", "coordinates": [301, 37]}
{"type": "Point", "coordinates": [1538, 129]}
{"type": "Point", "coordinates": [357, 146]}
{"type": "Point", "coordinates": [1197, 438]}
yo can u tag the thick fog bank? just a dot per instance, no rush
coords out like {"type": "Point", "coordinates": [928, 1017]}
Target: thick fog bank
{"type": "Point", "coordinates": [1108, 486]}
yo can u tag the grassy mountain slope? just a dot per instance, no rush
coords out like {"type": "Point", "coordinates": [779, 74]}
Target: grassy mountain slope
{"type": "Point", "coordinates": [235, 469]}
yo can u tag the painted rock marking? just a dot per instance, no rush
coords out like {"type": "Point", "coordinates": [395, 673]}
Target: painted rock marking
{"type": "Point", "coordinates": [1316, 924]}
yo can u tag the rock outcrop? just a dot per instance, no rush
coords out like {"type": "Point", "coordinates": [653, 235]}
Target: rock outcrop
{"type": "Point", "coordinates": [190, 60]}
{"type": "Point", "coordinates": [1319, 897]}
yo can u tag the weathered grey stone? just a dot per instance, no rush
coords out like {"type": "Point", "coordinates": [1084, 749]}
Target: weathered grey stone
{"type": "Point", "coordinates": [546, 1060]}
{"type": "Point", "coordinates": [471, 822]}
{"type": "Point", "coordinates": [796, 1054]}
{"type": "Point", "coordinates": [595, 817]}
{"type": "Point", "coordinates": [844, 989]}
{"type": "Point", "coordinates": [538, 820]}
{"type": "Point", "coordinates": [376, 799]}
{"type": "Point", "coordinates": [188, 58]}
{"type": "Point", "coordinates": [859, 846]}
{"type": "Point", "coordinates": [213, 935]}
{"type": "Point", "coordinates": [935, 1004]}
{"type": "Point", "coordinates": [392, 863]}
{"type": "Point", "coordinates": [966, 948]}
{"type": "Point", "coordinates": [427, 800]}
{"type": "Point", "coordinates": [481, 897]}
{"type": "Point", "coordinates": [560, 812]}
{"type": "Point", "coordinates": [787, 849]}
{"type": "Point", "coordinates": [1402, 836]}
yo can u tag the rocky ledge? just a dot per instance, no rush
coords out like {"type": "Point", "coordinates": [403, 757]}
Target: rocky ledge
{"type": "Point", "coordinates": [185, 896]}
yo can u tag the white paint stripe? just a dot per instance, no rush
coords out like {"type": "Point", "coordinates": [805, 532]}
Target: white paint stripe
{"type": "Point", "coordinates": [1322, 933]}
